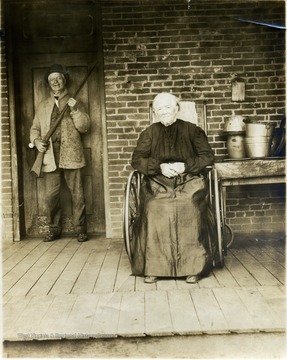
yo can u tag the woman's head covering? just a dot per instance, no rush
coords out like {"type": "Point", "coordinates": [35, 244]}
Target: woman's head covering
{"type": "Point", "coordinates": [164, 96]}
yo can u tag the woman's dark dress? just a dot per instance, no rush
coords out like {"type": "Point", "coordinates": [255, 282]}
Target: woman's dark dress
{"type": "Point", "coordinates": [171, 226]}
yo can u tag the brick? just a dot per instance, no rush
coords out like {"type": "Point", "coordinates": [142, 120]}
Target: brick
{"type": "Point", "coordinates": [195, 54]}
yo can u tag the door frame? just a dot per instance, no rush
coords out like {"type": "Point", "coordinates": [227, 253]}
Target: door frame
{"type": "Point", "coordinates": [17, 217]}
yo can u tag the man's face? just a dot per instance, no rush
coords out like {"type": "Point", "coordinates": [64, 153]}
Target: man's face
{"type": "Point", "coordinates": [165, 110]}
{"type": "Point", "coordinates": [57, 82]}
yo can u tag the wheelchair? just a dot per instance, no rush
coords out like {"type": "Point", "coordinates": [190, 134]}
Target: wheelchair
{"type": "Point", "coordinates": [217, 229]}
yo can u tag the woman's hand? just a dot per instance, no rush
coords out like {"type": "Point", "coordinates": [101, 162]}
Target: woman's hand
{"type": "Point", "coordinates": [179, 167]}
{"type": "Point", "coordinates": [172, 169]}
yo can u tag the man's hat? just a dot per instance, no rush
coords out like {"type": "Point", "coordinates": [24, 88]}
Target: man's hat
{"type": "Point", "coordinates": [57, 68]}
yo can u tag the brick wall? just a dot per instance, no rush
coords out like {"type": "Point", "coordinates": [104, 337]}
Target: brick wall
{"type": "Point", "coordinates": [151, 47]}
{"type": "Point", "coordinates": [256, 210]}
{"type": "Point", "coordinates": [6, 183]}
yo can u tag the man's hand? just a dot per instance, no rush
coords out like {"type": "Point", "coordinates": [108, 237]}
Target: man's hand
{"type": "Point", "coordinates": [72, 103]}
{"type": "Point", "coordinates": [41, 145]}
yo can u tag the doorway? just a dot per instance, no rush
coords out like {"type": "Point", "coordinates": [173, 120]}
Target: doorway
{"type": "Point", "coordinates": [42, 34]}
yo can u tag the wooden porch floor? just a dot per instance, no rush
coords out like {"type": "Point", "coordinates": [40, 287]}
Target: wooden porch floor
{"type": "Point", "coordinates": [66, 289]}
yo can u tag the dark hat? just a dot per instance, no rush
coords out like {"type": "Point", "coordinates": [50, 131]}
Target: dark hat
{"type": "Point", "coordinates": [57, 68]}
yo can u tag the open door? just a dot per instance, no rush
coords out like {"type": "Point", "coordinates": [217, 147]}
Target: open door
{"type": "Point", "coordinates": [65, 33]}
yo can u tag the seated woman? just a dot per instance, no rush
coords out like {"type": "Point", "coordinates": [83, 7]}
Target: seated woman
{"type": "Point", "coordinates": [171, 229]}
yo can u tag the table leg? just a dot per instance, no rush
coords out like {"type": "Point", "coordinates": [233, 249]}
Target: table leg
{"type": "Point", "coordinates": [218, 217]}
{"type": "Point", "coordinates": [222, 194]}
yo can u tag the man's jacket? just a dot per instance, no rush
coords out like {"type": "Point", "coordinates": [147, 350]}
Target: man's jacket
{"type": "Point", "coordinates": [72, 126]}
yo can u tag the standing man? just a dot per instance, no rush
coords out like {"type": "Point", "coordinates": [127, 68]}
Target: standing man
{"type": "Point", "coordinates": [64, 156]}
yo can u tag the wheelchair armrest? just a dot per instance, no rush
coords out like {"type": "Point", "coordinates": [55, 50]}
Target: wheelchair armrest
{"type": "Point", "coordinates": [207, 170]}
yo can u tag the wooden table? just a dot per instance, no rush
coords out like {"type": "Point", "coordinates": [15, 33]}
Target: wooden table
{"type": "Point", "coordinates": [243, 172]}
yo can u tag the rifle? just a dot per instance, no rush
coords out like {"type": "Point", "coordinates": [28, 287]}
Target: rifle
{"type": "Point", "coordinates": [40, 156]}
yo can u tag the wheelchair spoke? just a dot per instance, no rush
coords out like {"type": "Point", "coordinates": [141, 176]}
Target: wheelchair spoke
{"type": "Point", "coordinates": [131, 207]}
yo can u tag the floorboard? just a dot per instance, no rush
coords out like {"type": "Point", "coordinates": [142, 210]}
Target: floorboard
{"type": "Point", "coordinates": [59, 309]}
{"type": "Point", "coordinates": [183, 314]}
{"type": "Point", "coordinates": [257, 308]}
{"type": "Point", "coordinates": [12, 310]}
{"type": "Point", "coordinates": [27, 325]}
{"type": "Point", "coordinates": [157, 314]}
{"type": "Point", "coordinates": [242, 276]}
{"type": "Point", "coordinates": [87, 278]}
{"type": "Point", "coordinates": [107, 277]}
{"type": "Point", "coordinates": [65, 282]}
{"type": "Point", "coordinates": [70, 290]}
{"type": "Point", "coordinates": [14, 253]}
{"type": "Point", "coordinates": [106, 317]}
{"type": "Point", "coordinates": [276, 300]}
{"type": "Point", "coordinates": [26, 273]}
{"type": "Point", "coordinates": [79, 322]}
{"type": "Point", "coordinates": [209, 281]}
{"type": "Point", "coordinates": [234, 310]}
{"type": "Point", "coordinates": [258, 271]}
{"type": "Point", "coordinates": [54, 270]}
{"type": "Point", "coordinates": [142, 286]}
{"type": "Point", "coordinates": [225, 278]}
{"type": "Point", "coordinates": [277, 253]}
{"type": "Point", "coordinates": [209, 311]}
{"type": "Point", "coordinates": [132, 315]}
{"type": "Point", "coordinates": [125, 281]}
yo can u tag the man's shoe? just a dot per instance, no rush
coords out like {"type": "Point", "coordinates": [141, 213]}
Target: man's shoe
{"type": "Point", "coordinates": [192, 279]}
{"type": "Point", "coordinates": [51, 236]}
{"type": "Point", "coordinates": [150, 279]}
{"type": "Point", "coordinates": [82, 237]}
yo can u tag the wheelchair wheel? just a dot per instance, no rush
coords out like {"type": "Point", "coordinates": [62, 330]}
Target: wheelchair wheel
{"type": "Point", "coordinates": [221, 248]}
{"type": "Point", "coordinates": [227, 233]}
{"type": "Point", "coordinates": [230, 238]}
{"type": "Point", "coordinates": [131, 206]}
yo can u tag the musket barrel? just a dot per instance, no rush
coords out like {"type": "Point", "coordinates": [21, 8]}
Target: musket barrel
{"type": "Point", "coordinates": [38, 165]}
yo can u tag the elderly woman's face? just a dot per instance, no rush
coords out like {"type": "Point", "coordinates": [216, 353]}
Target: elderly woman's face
{"type": "Point", "coordinates": [57, 82]}
{"type": "Point", "coordinates": [165, 110]}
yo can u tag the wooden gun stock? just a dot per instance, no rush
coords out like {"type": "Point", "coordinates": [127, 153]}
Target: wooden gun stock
{"type": "Point", "coordinates": [36, 169]}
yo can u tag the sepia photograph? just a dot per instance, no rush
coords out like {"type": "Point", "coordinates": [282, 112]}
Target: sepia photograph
{"type": "Point", "coordinates": [143, 179]}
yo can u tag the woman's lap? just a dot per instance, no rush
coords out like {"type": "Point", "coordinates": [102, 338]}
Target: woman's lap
{"type": "Point", "coordinates": [172, 230]}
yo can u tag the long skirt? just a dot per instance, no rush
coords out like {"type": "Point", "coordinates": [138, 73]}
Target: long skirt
{"type": "Point", "coordinates": [171, 228]}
